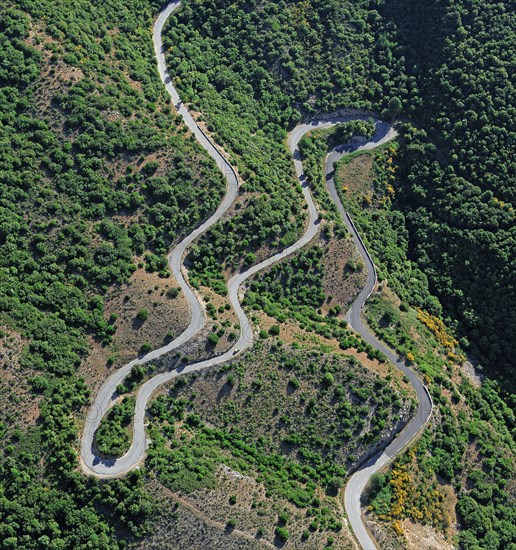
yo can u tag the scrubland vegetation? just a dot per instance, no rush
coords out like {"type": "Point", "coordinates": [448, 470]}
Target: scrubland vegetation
{"type": "Point", "coordinates": [295, 420]}
{"type": "Point", "coordinates": [98, 177]}
{"type": "Point", "coordinates": [470, 439]}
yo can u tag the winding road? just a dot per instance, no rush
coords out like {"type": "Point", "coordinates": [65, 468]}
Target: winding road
{"type": "Point", "coordinates": [358, 481]}
{"type": "Point", "coordinates": [92, 463]}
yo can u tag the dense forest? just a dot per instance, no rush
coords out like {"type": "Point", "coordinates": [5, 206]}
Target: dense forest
{"type": "Point", "coordinates": [98, 179]}
{"type": "Point", "coordinates": [457, 179]}
{"type": "Point", "coordinates": [263, 65]}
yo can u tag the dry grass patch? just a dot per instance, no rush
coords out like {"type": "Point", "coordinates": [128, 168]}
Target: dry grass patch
{"type": "Point", "coordinates": [340, 284]}
{"type": "Point", "coordinates": [356, 175]}
{"type": "Point", "coordinates": [167, 317]}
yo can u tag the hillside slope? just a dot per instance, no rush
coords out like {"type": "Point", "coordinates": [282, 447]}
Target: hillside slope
{"type": "Point", "coordinates": [447, 239]}
{"type": "Point", "coordinates": [97, 181]}
{"type": "Point", "coordinates": [447, 66]}
{"type": "Point", "coordinates": [458, 173]}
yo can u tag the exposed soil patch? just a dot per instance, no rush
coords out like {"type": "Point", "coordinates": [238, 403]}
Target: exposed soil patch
{"type": "Point", "coordinates": [182, 525]}
{"type": "Point", "coordinates": [166, 317]}
{"type": "Point", "coordinates": [340, 283]}
{"type": "Point", "coordinates": [424, 537]}
{"type": "Point", "coordinates": [451, 501]}
{"type": "Point", "coordinates": [53, 70]}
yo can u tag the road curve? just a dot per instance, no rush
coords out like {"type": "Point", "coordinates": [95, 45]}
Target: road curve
{"type": "Point", "coordinates": [105, 398]}
{"type": "Point", "coordinates": [358, 481]}
{"type": "Point", "coordinates": [93, 464]}
{"type": "Point", "coordinates": [90, 460]}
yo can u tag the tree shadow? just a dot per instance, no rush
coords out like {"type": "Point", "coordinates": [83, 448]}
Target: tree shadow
{"type": "Point", "coordinates": [137, 323]}
{"type": "Point", "coordinates": [224, 391]}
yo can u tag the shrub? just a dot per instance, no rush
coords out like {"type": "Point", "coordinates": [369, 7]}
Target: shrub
{"type": "Point", "coordinates": [143, 314]}
{"type": "Point", "coordinates": [274, 330]}
{"type": "Point", "coordinates": [328, 379]}
{"type": "Point", "coordinates": [283, 518]}
{"type": "Point", "coordinates": [294, 383]}
{"type": "Point", "coordinates": [213, 339]}
{"type": "Point", "coordinates": [282, 533]}
{"type": "Point", "coordinates": [173, 292]}
{"type": "Point", "coordinates": [40, 384]}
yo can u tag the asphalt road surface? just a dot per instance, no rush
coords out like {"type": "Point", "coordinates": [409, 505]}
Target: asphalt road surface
{"type": "Point", "coordinates": [358, 481]}
{"type": "Point", "coordinates": [94, 464]}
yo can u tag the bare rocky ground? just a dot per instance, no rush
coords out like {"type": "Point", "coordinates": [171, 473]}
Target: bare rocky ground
{"type": "Point", "coordinates": [181, 526]}
{"type": "Point", "coordinates": [415, 536]}
{"type": "Point", "coordinates": [385, 535]}
{"type": "Point", "coordinates": [424, 537]}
